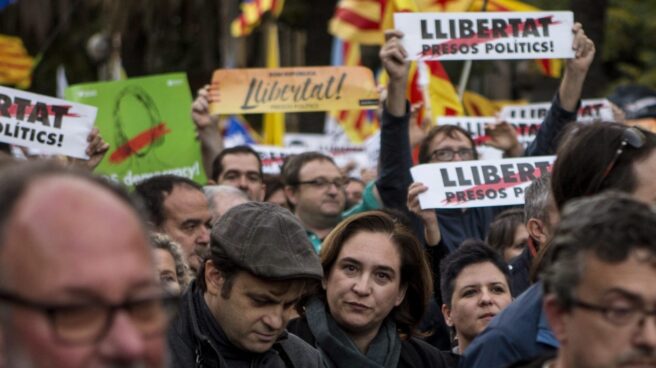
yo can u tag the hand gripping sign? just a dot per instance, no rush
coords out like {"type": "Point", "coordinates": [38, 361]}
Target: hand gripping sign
{"type": "Point", "coordinates": [48, 124]}
{"type": "Point", "coordinates": [254, 91]}
{"type": "Point", "coordinates": [467, 184]}
{"type": "Point", "coordinates": [486, 36]}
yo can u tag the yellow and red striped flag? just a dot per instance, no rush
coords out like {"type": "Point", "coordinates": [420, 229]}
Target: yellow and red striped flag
{"type": "Point", "coordinates": [274, 122]}
{"type": "Point", "coordinates": [443, 5]}
{"type": "Point", "coordinates": [549, 67]}
{"type": "Point", "coordinates": [365, 21]}
{"type": "Point", "coordinates": [15, 63]}
{"type": "Point", "coordinates": [251, 15]}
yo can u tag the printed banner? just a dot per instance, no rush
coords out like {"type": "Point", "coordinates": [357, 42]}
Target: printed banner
{"type": "Point", "coordinates": [48, 124]}
{"type": "Point", "coordinates": [487, 35]}
{"type": "Point", "coordinates": [590, 111]}
{"type": "Point", "coordinates": [254, 91]}
{"type": "Point", "coordinates": [273, 156]}
{"type": "Point", "coordinates": [467, 184]}
{"type": "Point", "coordinates": [147, 123]}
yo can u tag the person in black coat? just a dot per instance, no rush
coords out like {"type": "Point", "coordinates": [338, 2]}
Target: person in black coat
{"type": "Point", "coordinates": [377, 283]}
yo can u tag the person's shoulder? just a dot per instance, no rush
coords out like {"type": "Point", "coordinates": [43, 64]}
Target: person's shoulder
{"type": "Point", "coordinates": [418, 353]}
{"type": "Point", "coordinates": [300, 352]}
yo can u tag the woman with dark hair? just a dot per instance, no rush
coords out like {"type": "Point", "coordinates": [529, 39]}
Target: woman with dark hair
{"type": "Point", "coordinates": [508, 234]}
{"type": "Point", "coordinates": [602, 156]}
{"type": "Point", "coordinates": [377, 284]}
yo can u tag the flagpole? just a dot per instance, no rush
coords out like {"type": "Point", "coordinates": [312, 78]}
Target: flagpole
{"type": "Point", "coordinates": [466, 69]}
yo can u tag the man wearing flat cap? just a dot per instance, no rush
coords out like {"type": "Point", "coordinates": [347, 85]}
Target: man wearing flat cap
{"type": "Point", "coordinates": [261, 265]}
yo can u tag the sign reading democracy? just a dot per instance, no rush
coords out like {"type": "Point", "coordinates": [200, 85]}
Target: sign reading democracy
{"type": "Point", "coordinates": [467, 184]}
{"type": "Point", "coordinates": [487, 35]}
{"type": "Point", "coordinates": [590, 111]}
{"type": "Point", "coordinates": [254, 91]}
{"type": "Point", "coordinates": [51, 125]}
{"type": "Point", "coordinates": [147, 124]}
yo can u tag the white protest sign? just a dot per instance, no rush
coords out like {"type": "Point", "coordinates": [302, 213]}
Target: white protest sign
{"type": "Point", "coordinates": [591, 110]}
{"type": "Point", "coordinates": [273, 156]}
{"type": "Point", "coordinates": [343, 154]}
{"type": "Point", "coordinates": [486, 35]}
{"type": "Point", "coordinates": [467, 184]}
{"type": "Point", "coordinates": [51, 125]}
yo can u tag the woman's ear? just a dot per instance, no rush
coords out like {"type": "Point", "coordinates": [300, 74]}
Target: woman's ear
{"type": "Point", "coordinates": [446, 312]}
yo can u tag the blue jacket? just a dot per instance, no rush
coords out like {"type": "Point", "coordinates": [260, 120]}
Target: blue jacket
{"type": "Point", "coordinates": [519, 332]}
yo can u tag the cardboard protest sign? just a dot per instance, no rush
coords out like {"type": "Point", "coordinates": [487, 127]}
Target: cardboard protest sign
{"type": "Point", "coordinates": [467, 184]}
{"type": "Point", "coordinates": [253, 91]}
{"type": "Point", "coordinates": [51, 125]}
{"type": "Point", "coordinates": [147, 123]}
{"type": "Point", "coordinates": [487, 35]}
{"type": "Point", "coordinates": [590, 111]}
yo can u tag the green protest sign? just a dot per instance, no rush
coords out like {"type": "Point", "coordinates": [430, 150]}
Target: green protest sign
{"type": "Point", "coordinates": [147, 123]}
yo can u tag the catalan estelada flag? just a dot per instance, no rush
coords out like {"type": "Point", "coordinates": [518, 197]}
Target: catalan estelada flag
{"type": "Point", "coordinates": [549, 67]}
{"type": "Point", "coordinates": [251, 15]}
{"type": "Point", "coordinates": [15, 63]}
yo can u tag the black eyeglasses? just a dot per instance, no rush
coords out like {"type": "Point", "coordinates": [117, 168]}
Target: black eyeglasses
{"type": "Point", "coordinates": [631, 137]}
{"type": "Point", "coordinates": [323, 183]}
{"type": "Point", "coordinates": [83, 323]}
{"type": "Point", "coordinates": [447, 154]}
{"type": "Point", "coordinates": [619, 316]}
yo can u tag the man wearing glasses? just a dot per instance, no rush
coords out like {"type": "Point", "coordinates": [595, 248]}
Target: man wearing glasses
{"type": "Point", "coordinates": [315, 187]}
{"type": "Point", "coordinates": [600, 298]}
{"type": "Point", "coordinates": [77, 279]}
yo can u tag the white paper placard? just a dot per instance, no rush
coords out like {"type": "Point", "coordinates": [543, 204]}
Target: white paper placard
{"type": "Point", "coordinates": [486, 35]}
{"type": "Point", "coordinates": [467, 184]}
{"type": "Point", "coordinates": [48, 124]}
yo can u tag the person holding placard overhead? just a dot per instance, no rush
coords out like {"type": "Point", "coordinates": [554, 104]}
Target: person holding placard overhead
{"type": "Point", "coordinates": [448, 228]}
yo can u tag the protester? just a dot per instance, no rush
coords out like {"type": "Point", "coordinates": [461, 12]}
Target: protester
{"type": "Point", "coordinates": [177, 207]}
{"type": "Point", "coordinates": [475, 288]}
{"type": "Point", "coordinates": [354, 189]}
{"type": "Point", "coordinates": [315, 188]}
{"type": "Point", "coordinates": [376, 286]}
{"type": "Point", "coordinates": [78, 286]}
{"type": "Point", "coordinates": [599, 284]}
{"type": "Point", "coordinates": [221, 198]}
{"type": "Point", "coordinates": [240, 167]}
{"type": "Point", "coordinates": [449, 144]}
{"type": "Point", "coordinates": [174, 273]}
{"type": "Point", "coordinates": [275, 191]}
{"type": "Point", "coordinates": [616, 157]}
{"type": "Point", "coordinates": [235, 313]}
{"type": "Point", "coordinates": [540, 217]}
{"type": "Point", "coordinates": [508, 234]}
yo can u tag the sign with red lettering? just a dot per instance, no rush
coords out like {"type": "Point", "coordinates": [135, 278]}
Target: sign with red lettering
{"type": "Point", "coordinates": [51, 125]}
{"type": "Point", "coordinates": [467, 184]}
{"type": "Point", "coordinates": [590, 111]}
{"type": "Point", "coordinates": [486, 35]}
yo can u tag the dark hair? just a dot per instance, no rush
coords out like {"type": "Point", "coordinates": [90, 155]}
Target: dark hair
{"type": "Point", "coordinates": [217, 164]}
{"type": "Point", "coordinates": [450, 131]}
{"type": "Point", "coordinates": [291, 167]}
{"type": "Point", "coordinates": [502, 230]}
{"type": "Point", "coordinates": [153, 192]}
{"type": "Point", "coordinates": [468, 253]}
{"type": "Point", "coordinates": [230, 270]}
{"type": "Point", "coordinates": [415, 271]}
{"type": "Point", "coordinates": [273, 184]}
{"type": "Point", "coordinates": [584, 156]}
{"type": "Point", "coordinates": [18, 177]}
{"type": "Point", "coordinates": [609, 226]}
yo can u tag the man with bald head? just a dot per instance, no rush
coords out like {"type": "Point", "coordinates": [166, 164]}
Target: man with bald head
{"type": "Point", "coordinates": [77, 281]}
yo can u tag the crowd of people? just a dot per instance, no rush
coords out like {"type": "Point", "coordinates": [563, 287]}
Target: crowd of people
{"type": "Point", "coordinates": [316, 268]}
